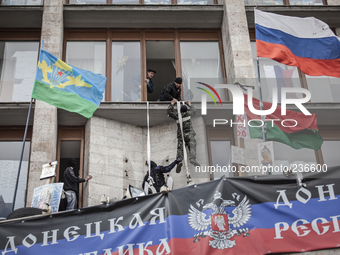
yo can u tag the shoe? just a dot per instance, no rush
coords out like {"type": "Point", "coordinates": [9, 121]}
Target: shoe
{"type": "Point", "coordinates": [194, 162]}
{"type": "Point", "coordinates": [179, 167]}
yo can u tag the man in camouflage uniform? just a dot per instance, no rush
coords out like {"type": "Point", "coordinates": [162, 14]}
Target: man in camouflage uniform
{"type": "Point", "coordinates": [187, 112]}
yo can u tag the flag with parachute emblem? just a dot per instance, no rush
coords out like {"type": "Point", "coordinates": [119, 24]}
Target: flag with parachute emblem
{"type": "Point", "coordinates": [67, 87]}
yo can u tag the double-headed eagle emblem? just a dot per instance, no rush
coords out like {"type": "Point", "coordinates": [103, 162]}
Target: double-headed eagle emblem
{"type": "Point", "coordinates": [220, 221]}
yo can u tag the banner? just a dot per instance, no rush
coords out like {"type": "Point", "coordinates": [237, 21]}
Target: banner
{"type": "Point", "coordinates": [240, 215]}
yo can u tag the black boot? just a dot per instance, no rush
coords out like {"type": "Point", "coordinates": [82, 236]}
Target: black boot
{"type": "Point", "coordinates": [179, 167]}
{"type": "Point", "coordinates": [194, 162]}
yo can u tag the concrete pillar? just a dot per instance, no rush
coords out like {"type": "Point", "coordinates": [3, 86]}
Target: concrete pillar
{"type": "Point", "coordinates": [236, 42]}
{"type": "Point", "coordinates": [45, 125]}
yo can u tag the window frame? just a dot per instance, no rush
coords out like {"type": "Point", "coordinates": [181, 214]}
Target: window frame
{"type": "Point", "coordinates": [218, 134]}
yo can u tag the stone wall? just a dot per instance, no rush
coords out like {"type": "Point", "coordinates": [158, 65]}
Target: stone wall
{"type": "Point", "coordinates": [116, 153]}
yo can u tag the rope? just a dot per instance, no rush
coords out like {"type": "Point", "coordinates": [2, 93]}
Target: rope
{"type": "Point", "coordinates": [149, 184]}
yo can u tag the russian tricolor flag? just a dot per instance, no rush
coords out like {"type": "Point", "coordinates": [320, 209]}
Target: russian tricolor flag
{"type": "Point", "coordinates": [307, 43]}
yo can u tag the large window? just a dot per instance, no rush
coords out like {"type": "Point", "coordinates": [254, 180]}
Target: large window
{"type": "Point", "coordinates": [10, 151]}
{"type": "Point", "coordinates": [21, 2]}
{"type": "Point", "coordinates": [18, 64]}
{"type": "Point", "coordinates": [87, 55]}
{"type": "Point", "coordinates": [285, 2]}
{"type": "Point", "coordinates": [201, 62]}
{"type": "Point", "coordinates": [124, 56]}
{"type": "Point", "coordinates": [126, 72]}
{"type": "Point", "coordinates": [158, 2]}
{"type": "Point", "coordinates": [220, 140]}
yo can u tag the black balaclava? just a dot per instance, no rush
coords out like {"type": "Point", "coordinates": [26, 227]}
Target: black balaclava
{"type": "Point", "coordinates": [73, 163]}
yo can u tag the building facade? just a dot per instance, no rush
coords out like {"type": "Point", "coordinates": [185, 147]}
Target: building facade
{"type": "Point", "coordinates": [209, 41]}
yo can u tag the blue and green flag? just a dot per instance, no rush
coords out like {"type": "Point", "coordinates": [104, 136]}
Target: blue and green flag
{"type": "Point", "coordinates": [67, 87]}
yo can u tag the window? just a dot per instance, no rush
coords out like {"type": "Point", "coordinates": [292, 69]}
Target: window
{"type": "Point", "coordinates": [285, 156]}
{"type": "Point", "coordinates": [263, 2]}
{"type": "Point", "coordinates": [126, 72]}
{"type": "Point", "coordinates": [324, 88]}
{"type": "Point", "coordinates": [284, 2]}
{"type": "Point", "coordinates": [87, 55]}
{"type": "Point", "coordinates": [160, 56]}
{"type": "Point", "coordinates": [10, 151]}
{"type": "Point", "coordinates": [146, 2]}
{"type": "Point", "coordinates": [220, 140]}
{"type": "Point", "coordinates": [329, 152]}
{"type": "Point", "coordinates": [21, 2]}
{"type": "Point", "coordinates": [124, 56]}
{"type": "Point", "coordinates": [201, 62]}
{"type": "Point", "coordinates": [87, 1]}
{"type": "Point", "coordinates": [18, 65]}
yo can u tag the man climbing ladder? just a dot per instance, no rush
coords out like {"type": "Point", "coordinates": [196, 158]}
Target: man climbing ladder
{"type": "Point", "coordinates": [184, 122]}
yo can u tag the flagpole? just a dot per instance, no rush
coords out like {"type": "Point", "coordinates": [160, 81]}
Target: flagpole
{"type": "Point", "coordinates": [264, 127]}
{"type": "Point", "coordinates": [264, 134]}
{"type": "Point", "coordinates": [22, 153]}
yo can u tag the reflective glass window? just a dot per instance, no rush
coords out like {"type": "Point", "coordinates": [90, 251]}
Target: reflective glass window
{"type": "Point", "coordinates": [126, 72]}
{"type": "Point", "coordinates": [9, 164]}
{"type": "Point", "coordinates": [220, 156]}
{"type": "Point", "coordinates": [263, 2]}
{"type": "Point", "coordinates": [324, 88]}
{"type": "Point", "coordinates": [195, 1]}
{"type": "Point", "coordinates": [89, 56]}
{"type": "Point", "coordinates": [22, 2]}
{"type": "Point", "coordinates": [201, 62]}
{"type": "Point", "coordinates": [330, 153]}
{"type": "Point", "coordinates": [305, 2]}
{"type": "Point", "coordinates": [87, 1]}
{"type": "Point", "coordinates": [287, 156]}
{"type": "Point", "coordinates": [18, 65]}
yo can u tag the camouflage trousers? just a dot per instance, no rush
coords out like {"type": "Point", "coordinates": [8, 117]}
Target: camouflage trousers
{"type": "Point", "coordinates": [190, 142]}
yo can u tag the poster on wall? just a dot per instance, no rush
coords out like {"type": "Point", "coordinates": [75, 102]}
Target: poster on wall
{"type": "Point", "coordinates": [48, 170]}
{"type": "Point", "coordinates": [48, 194]}
{"type": "Point", "coordinates": [243, 215]}
{"type": "Point", "coordinates": [266, 153]}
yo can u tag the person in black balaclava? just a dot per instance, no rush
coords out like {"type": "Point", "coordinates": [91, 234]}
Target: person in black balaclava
{"type": "Point", "coordinates": [71, 183]}
{"type": "Point", "coordinates": [157, 173]}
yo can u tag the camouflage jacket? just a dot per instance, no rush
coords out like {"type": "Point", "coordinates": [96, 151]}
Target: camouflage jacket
{"type": "Point", "coordinates": [187, 126]}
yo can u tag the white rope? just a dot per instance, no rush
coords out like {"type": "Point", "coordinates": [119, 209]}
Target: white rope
{"type": "Point", "coordinates": [148, 149]}
{"type": "Point", "coordinates": [184, 147]}
{"type": "Point", "coordinates": [149, 184]}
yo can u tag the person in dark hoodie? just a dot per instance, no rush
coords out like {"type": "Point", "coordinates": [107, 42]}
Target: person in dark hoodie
{"type": "Point", "coordinates": [157, 174]}
{"type": "Point", "coordinates": [71, 183]}
{"type": "Point", "coordinates": [172, 91]}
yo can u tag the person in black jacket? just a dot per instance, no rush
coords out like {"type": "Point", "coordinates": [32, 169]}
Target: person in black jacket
{"type": "Point", "coordinates": [157, 173]}
{"type": "Point", "coordinates": [71, 183]}
{"type": "Point", "coordinates": [148, 81]}
{"type": "Point", "coordinates": [172, 91]}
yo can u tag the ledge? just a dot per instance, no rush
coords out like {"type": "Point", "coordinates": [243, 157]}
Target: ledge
{"type": "Point", "coordinates": [21, 16]}
{"type": "Point", "coordinates": [134, 113]}
{"type": "Point", "coordinates": [143, 16]}
{"type": "Point", "coordinates": [327, 13]}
